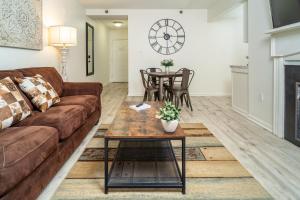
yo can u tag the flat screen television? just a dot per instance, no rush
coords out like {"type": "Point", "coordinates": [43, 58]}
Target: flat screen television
{"type": "Point", "coordinates": [285, 12]}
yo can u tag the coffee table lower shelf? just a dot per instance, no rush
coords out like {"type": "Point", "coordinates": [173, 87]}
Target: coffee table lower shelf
{"type": "Point", "coordinates": [145, 164]}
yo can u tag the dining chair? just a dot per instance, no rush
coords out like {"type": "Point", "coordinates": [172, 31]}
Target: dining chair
{"type": "Point", "coordinates": [153, 78]}
{"type": "Point", "coordinates": [179, 88]}
{"type": "Point", "coordinates": [150, 88]}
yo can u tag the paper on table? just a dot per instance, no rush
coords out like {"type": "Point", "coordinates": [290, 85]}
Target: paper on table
{"type": "Point", "coordinates": [143, 107]}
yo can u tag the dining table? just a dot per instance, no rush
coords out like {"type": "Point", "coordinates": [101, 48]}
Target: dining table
{"type": "Point", "coordinates": [161, 76]}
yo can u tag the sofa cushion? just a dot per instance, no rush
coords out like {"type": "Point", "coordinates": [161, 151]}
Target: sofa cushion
{"type": "Point", "coordinates": [89, 102]}
{"type": "Point", "coordinates": [13, 107]}
{"type": "Point", "coordinates": [22, 150]}
{"type": "Point", "coordinates": [66, 119]}
{"type": "Point", "coordinates": [49, 73]}
{"type": "Point", "coordinates": [40, 91]}
{"type": "Point", "coordinates": [12, 74]}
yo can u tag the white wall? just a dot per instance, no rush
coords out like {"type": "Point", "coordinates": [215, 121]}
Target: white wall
{"type": "Point", "coordinates": [115, 34]}
{"type": "Point", "coordinates": [260, 63]}
{"type": "Point", "coordinates": [101, 52]}
{"type": "Point", "coordinates": [209, 49]}
{"type": "Point", "coordinates": [222, 7]}
{"type": "Point", "coordinates": [55, 12]}
{"type": "Point", "coordinates": [104, 36]}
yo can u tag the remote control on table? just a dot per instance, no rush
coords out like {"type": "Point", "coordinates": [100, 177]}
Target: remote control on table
{"type": "Point", "coordinates": [140, 104]}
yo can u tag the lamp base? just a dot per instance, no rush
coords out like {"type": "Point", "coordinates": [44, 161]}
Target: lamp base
{"type": "Point", "coordinates": [64, 53]}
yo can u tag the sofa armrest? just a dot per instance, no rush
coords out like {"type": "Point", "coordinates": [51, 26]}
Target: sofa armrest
{"type": "Point", "coordinates": [73, 89]}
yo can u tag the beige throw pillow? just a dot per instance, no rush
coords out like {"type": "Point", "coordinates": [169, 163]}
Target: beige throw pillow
{"type": "Point", "coordinates": [13, 107]}
{"type": "Point", "coordinates": [40, 92]}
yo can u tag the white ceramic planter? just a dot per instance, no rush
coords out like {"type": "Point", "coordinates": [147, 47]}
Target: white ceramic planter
{"type": "Point", "coordinates": [171, 126]}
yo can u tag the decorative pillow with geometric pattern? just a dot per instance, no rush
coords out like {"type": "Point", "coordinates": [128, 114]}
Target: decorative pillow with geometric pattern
{"type": "Point", "coordinates": [13, 107]}
{"type": "Point", "coordinates": [40, 92]}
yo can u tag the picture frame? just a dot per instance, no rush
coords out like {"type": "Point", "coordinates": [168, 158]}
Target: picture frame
{"type": "Point", "coordinates": [22, 26]}
{"type": "Point", "coordinates": [90, 48]}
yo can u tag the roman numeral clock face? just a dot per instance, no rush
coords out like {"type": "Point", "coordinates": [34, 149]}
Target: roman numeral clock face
{"type": "Point", "coordinates": [166, 36]}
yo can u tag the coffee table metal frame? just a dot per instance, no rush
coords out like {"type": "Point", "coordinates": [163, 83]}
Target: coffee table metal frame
{"type": "Point", "coordinates": [182, 173]}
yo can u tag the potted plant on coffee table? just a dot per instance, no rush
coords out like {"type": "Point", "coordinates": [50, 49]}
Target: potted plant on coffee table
{"type": "Point", "coordinates": [167, 63]}
{"type": "Point", "coordinates": [169, 116]}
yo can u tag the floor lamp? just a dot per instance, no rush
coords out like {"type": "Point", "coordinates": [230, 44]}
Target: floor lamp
{"type": "Point", "coordinates": [63, 37]}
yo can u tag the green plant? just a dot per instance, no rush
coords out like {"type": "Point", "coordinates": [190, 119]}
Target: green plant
{"type": "Point", "coordinates": [167, 63]}
{"type": "Point", "coordinates": [169, 112]}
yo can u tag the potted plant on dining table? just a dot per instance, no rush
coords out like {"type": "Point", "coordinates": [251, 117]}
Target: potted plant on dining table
{"type": "Point", "coordinates": [167, 63]}
{"type": "Point", "coordinates": [169, 115]}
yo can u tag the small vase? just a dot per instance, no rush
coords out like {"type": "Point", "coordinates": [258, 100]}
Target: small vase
{"type": "Point", "coordinates": [166, 69]}
{"type": "Point", "coordinates": [169, 127]}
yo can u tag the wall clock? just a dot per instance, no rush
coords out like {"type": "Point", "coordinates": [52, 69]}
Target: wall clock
{"type": "Point", "coordinates": [166, 36]}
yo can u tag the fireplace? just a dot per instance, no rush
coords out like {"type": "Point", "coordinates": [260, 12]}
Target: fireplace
{"type": "Point", "coordinates": [297, 121]}
{"type": "Point", "coordinates": [292, 104]}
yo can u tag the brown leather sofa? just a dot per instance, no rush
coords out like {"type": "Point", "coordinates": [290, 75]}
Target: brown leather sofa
{"type": "Point", "coordinates": [32, 151]}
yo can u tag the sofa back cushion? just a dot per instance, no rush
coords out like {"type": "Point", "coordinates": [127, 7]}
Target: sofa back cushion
{"type": "Point", "coordinates": [13, 107]}
{"type": "Point", "coordinates": [40, 91]}
{"type": "Point", "coordinates": [12, 74]}
{"type": "Point", "coordinates": [49, 73]}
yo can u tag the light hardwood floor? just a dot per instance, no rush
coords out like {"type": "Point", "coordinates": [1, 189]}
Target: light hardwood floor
{"type": "Point", "coordinates": [274, 162]}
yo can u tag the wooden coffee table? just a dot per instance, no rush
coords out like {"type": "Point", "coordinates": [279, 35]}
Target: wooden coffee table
{"type": "Point", "coordinates": [145, 156]}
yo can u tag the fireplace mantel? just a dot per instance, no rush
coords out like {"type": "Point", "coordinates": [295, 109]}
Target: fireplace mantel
{"type": "Point", "coordinates": [286, 28]}
{"type": "Point", "coordinates": [284, 45]}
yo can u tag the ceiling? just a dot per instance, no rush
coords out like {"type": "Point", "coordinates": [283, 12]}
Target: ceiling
{"type": "Point", "coordinates": [110, 25]}
{"type": "Point", "coordinates": [149, 4]}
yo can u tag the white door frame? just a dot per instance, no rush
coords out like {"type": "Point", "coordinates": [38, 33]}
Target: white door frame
{"type": "Point", "coordinates": [111, 59]}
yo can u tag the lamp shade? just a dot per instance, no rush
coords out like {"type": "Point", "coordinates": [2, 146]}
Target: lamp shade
{"type": "Point", "coordinates": [62, 36]}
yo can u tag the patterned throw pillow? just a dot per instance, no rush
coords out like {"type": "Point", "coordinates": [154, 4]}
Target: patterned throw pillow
{"type": "Point", "coordinates": [41, 93]}
{"type": "Point", "coordinates": [13, 107]}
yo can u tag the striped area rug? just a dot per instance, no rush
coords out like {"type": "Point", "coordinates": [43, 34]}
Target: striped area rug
{"type": "Point", "coordinates": [212, 172]}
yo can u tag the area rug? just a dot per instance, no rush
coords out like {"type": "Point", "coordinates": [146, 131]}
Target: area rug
{"type": "Point", "coordinates": [212, 172]}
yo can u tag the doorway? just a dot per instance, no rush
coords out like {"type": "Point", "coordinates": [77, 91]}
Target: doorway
{"type": "Point", "coordinates": [111, 44]}
{"type": "Point", "coordinates": [119, 61]}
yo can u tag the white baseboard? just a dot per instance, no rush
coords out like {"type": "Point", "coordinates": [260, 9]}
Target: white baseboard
{"type": "Point", "coordinates": [263, 124]}
{"type": "Point", "coordinates": [240, 111]}
{"type": "Point", "coordinates": [254, 119]}
{"type": "Point", "coordinates": [192, 94]}
{"type": "Point", "coordinates": [50, 190]}
{"type": "Point", "coordinates": [195, 94]}
{"type": "Point", "coordinates": [135, 95]}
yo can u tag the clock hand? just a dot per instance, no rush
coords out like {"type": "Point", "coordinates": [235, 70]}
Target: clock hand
{"type": "Point", "coordinates": [177, 36]}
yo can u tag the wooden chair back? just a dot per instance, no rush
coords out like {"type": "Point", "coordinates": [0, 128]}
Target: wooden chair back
{"type": "Point", "coordinates": [153, 78]}
{"type": "Point", "coordinates": [145, 78]}
{"type": "Point", "coordinates": [186, 77]}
